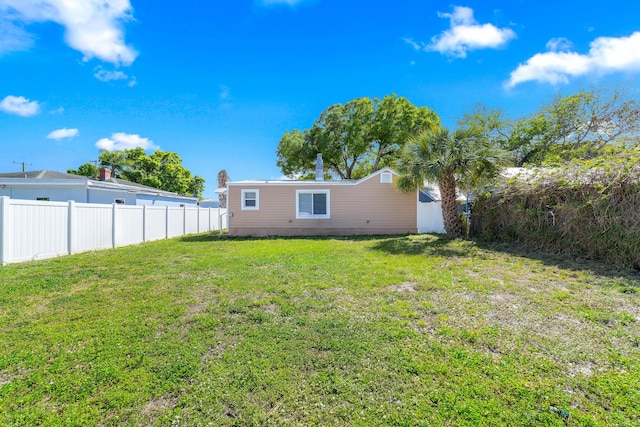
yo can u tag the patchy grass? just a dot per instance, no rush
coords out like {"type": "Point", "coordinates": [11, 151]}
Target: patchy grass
{"type": "Point", "coordinates": [403, 330]}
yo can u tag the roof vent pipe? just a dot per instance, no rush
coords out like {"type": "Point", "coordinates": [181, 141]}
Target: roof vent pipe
{"type": "Point", "coordinates": [319, 168]}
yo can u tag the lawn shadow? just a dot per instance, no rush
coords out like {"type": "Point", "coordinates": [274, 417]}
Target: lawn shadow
{"type": "Point", "coordinates": [194, 238]}
{"type": "Point", "coordinates": [630, 276]}
{"type": "Point", "coordinates": [431, 245]}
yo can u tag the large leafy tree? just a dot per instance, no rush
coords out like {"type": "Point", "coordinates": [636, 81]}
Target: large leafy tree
{"type": "Point", "coordinates": [85, 169]}
{"type": "Point", "coordinates": [577, 126]}
{"type": "Point", "coordinates": [162, 170]}
{"type": "Point", "coordinates": [464, 156]}
{"type": "Point", "coordinates": [355, 138]}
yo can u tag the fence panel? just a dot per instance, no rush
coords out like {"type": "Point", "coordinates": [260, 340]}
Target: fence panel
{"type": "Point", "coordinates": [430, 218]}
{"type": "Point", "coordinates": [155, 223]}
{"type": "Point", "coordinates": [92, 227]}
{"type": "Point", "coordinates": [128, 225]}
{"type": "Point", "coordinates": [37, 229]}
{"type": "Point", "coordinates": [191, 220]}
{"type": "Point", "coordinates": [175, 223]}
{"type": "Point", "coordinates": [203, 221]}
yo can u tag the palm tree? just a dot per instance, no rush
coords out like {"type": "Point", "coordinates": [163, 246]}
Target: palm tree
{"type": "Point", "coordinates": [448, 159]}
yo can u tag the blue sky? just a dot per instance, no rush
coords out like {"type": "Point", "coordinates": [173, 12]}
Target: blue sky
{"type": "Point", "coordinates": [219, 82]}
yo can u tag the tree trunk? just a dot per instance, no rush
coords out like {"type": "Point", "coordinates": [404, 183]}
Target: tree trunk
{"type": "Point", "coordinates": [452, 222]}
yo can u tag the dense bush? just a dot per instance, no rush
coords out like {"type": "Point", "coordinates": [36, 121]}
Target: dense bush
{"type": "Point", "coordinates": [589, 208]}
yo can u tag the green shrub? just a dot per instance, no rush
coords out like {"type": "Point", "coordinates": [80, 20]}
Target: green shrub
{"type": "Point", "coordinates": [588, 208]}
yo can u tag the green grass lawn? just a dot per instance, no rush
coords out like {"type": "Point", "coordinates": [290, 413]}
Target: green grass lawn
{"type": "Point", "coordinates": [397, 331]}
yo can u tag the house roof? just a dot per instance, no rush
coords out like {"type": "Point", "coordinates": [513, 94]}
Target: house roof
{"type": "Point", "coordinates": [42, 174]}
{"type": "Point", "coordinates": [47, 177]}
{"type": "Point", "coordinates": [306, 182]}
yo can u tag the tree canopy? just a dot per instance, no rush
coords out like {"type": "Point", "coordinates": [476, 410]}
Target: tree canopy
{"type": "Point", "coordinates": [576, 126]}
{"type": "Point", "coordinates": [355, 138]}
{"type": "Point", "coordinates": [162, 170]}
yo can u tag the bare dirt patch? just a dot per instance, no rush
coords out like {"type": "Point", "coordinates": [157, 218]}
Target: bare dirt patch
{"type": "Point", "coordinates": [155, 407]}
{"type": "Point", "coordinates": [404, 287]}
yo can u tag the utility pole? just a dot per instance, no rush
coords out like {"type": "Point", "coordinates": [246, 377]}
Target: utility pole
{"type": "Point", "coordinates": [95, 162]}
{"type": "Point", "coordinates": [23, 164]}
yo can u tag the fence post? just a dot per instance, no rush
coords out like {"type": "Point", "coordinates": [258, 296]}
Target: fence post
{"type": "Point", "coordinates": [166, 224]}
{"type": "Point", "coordinates": [198, 222]}
{"type": "Point", "coordinates": [71, 217]}
{"type": "Point", "coordinates": [184, 220]}
{"type": "Point", "coordinates": [113, 224]}
{"type": "Point", "coordinates": [144, 223]}
{"type": "Point", "coordinates": [5, 228]}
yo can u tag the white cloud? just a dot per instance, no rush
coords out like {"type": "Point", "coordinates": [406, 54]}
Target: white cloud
{"type": "Point", "coordinates": [123, 141]}
{"type": "Point", "coordinates": [20, 106]}
{"type": "Point", "coordinates": [93, 27]}
{"type": "Point", "coordinates": [13, 38]}
{"type": "Point", "coordinates": [106, 76]}
{"type": "Point", "coordinates": [414, 44]}
{"type": "Point", "coordinates": [606, 55]}
{"type": "Point", "coordinates": [63, 133]}
{"type": "Point", "coordinates": [466, 34]}
{"type": "Point", "coordinates": [559, 44]}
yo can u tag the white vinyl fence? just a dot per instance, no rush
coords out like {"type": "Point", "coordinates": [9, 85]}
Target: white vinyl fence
{"type": "Point", "coordinates": [430, 217]}
{"type": "Point", "coordinates": [32, 230]}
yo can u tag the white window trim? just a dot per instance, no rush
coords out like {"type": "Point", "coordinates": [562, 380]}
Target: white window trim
{"type": "Point", "coordinates": [242, 200]}
{"type": "Point", "coordinates": [326, 216]}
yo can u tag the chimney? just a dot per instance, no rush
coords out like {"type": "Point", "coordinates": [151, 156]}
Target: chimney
{"type": "Point", "coordinates": [319, 168]}
{"type": "Point", "coordinates": [105, 173]}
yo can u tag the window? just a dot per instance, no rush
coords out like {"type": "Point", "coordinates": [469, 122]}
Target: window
{"type": "Point", "coordinates": [119, 201]}
{"type": "Point", "coordinates": [43, 199]}
{"type": "Point", "coordinates": [386, 178]}
{"type": "Point", "coordinates": [312, 204]}
{"type": "Point", "coordinates": [250, 200]}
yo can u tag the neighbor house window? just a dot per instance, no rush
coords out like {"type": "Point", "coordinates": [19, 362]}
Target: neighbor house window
{"type": "Point", "coordinates": [42, 199]}
{"type": "Point", "coordinates": [119, 201]}
{"type": "Point", "coordinates": [386, 178]}
{"type": "Point", "coordinates": [312, 204]}
{"type": "Point", "coordinates": [250, 200]}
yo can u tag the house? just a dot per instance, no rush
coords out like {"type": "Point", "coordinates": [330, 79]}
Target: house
{"type": "Point", "coordinates": [62, 187]}
{"type": "Point", "coordinates": [371, 205]}
{"type": "Point", "coordinates": [209, 203]}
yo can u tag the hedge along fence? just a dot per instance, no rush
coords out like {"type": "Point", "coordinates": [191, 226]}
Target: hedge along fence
{"type": "Point", "coordinates": [583, 210]}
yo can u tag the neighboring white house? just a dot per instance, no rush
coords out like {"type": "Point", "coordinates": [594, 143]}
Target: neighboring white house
{"type": "Point", "coordinates": [61, 187]}
{"type": "Point", "coordinates": [209, 203]}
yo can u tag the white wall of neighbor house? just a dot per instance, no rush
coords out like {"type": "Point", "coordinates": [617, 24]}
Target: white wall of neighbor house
{"type": "Point", "coordinates": [154, 200]}
{"type": "Point", "coordinates": [82, 194]}
{"type": "Point", "coordinates": [32, 230]}
{"type": "Point", "coordinates": [108, 196]}
{"type": "Point", "coordinates": [53, 193]}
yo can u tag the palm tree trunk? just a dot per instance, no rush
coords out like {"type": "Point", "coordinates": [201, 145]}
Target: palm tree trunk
{"type": "Point", "coordinates": [452, 222]}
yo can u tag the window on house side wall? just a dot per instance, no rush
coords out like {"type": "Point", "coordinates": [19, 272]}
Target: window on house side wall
{"type": "Point", "coordinates": [312, 204]}
{"type": "Point", "coordinates": [250, 200]}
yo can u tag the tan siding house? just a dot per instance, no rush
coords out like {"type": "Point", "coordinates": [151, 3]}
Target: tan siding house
{"type": "Point", "coordinates": [371, 205]}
